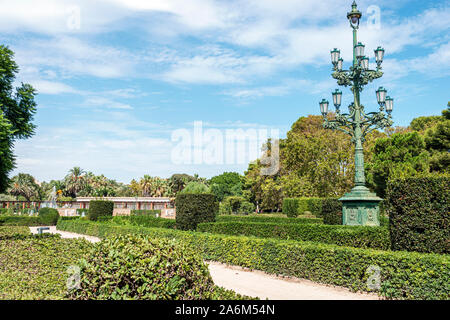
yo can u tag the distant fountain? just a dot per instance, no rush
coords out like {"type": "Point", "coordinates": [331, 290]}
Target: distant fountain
{"type": "Point", "coordinates": [53, 198]}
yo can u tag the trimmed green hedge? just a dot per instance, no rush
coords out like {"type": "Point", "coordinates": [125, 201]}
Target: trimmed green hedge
{"type": "Point", "coordinates": [404, 275]}
{"type": "Point", "coordinates": [20, 221]}
{"type": "Point", "coordinates": [263, 219]}
{"type": "Point", "coordinates": [194, 208]}
{"type": "Point", "coordinates": [49, 216]}
{"type": "Point", "coordinates": [98, 208]}
{"type": "Point", "coordinates": [419, 214]}
{"type": "Point", "coordinates": [332, 211]}
{"type": "Point", "coordinates": [144, 221]}
{"type": "Point", "coordinates": [152, 213]}
{"type": "Point", "coordinates": [293, 207]}
{"type": "Point", "coordinates": [6, 232]}
{"type": "Point", "coordinates": [352, 236]}
{"type": "Point", "coordinates": [35, 267]}
{"type": "Point", "coordinates": [290, 207]}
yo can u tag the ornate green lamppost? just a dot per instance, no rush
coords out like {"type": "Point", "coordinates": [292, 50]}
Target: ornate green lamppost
{"type": "Point", "coordinates": [360, 206]}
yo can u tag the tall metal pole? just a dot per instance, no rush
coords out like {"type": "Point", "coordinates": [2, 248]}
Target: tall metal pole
{"type": "Point", "coordinates": [360, 206]}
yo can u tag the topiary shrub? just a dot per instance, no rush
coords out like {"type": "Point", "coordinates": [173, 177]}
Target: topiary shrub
{"type": "Point", "coordinates": [315, 206]}
{"type": "Point", "coordinates": [48, 216]}
{"type": "Point", "coordinates": [195, 208]}
{"type": "Point", "coordinates": [419, 214]}
{"type": "Point", "coordinates": [290, 207]}
{"type": "Point", "coordinates": [144, 269]}
{"type": "Point", "coordinates": [98, 208]}
{"type": "Point", "coordinates": [331, 211]}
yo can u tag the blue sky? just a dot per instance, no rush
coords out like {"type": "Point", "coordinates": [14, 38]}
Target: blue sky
{"type": "Point", "coordinates": [116, 78]}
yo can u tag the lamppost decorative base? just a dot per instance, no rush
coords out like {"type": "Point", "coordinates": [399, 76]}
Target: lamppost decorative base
{"type": "Point", "coordinates": [360, 207]}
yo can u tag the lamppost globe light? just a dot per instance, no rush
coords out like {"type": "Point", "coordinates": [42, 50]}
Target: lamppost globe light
{"type": "Point", "coordinates": [324, 107]}
{"type": "Point", "coordinates": [365, 63]}
{"type": "Point", "coordinates": [381, 95]}
{"type": "Point", "coordinates": [337, 98]}
{"type": "Point", "coordinates": [335, 55]}
{"type": "Point", "coordinates": [379, 55]}
{"type": "Point", "coordinates": [359, 50]}
{"type": "Point", "coordinates": [389, 104]}
{"type": "Point", "coordinates": [340, 64]}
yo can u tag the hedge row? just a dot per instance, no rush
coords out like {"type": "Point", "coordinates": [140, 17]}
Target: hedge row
{"type": "Point", "coordinates": [20, 221]}
{"type": "Point", "coordinates": [35, 267]}
{"type": "Point", "coordinates": [152, 213]}
{"type": "Point", "coordinates": [352, 236]}
{"type": "Point", "coordinates": [419, 214]}
{"type": "Point", "coordinates": [298, 206]}
{"type": "Point", "coordinates": [404, 275]}
{"type": "Point", "coordinates": [263, 219]}
{"type": "Point", "coordinates": [11, 231]}
{"type": "Point", "coordinates": [144, 221]}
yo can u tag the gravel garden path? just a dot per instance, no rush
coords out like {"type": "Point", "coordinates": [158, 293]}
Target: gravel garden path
{"type": "Point", "coordinates": [258, 283]}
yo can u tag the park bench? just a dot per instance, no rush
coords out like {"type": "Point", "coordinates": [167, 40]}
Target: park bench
{"type": "Point", "coordinates": [40, 230]}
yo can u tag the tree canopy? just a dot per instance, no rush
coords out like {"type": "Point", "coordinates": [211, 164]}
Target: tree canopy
{"type": "Point", "coordinates": [17, 109]}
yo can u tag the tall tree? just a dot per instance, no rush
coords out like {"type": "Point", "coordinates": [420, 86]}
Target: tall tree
{"type": "Point", "coordinates": [25, 185]}
{"type": "Point", "coordinates": [17, 109]}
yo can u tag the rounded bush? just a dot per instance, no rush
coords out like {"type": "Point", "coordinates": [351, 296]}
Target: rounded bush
{"type": "Point", "coordinates": [138, 267]}
{"type": "Point", "coordinates": [99, 208]}
{"type": "Point", "coordinates": [48, 216]}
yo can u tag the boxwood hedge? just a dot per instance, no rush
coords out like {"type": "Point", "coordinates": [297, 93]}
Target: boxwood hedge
{"type": "Point", "coordinates": [20, 221]}
{"type": "Point", "coordinates": [419, 214]}
{"type": "Point", "coordinates": [33, 267]}
{"type": "Point", "coordinates": [99, 208]}
{"type": "Point", "coordinates": [266, 219]}
{"type": "Point", "coordinates": [404, 275]}
{"type": "Point", "coordinates": [194, 208]}
{"type": "Point", "coordinates": [144, 221]}
{"type": "Point", "coordinates": [352, 236]}
{"type": "Point", "coordinates": [290, 207]}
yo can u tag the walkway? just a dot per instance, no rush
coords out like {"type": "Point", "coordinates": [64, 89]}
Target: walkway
{"type": "Point", "coordinates": [258, 283]}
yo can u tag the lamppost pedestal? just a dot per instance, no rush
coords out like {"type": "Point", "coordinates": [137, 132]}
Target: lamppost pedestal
{"type": "Point", "coordinates": [360, 207]}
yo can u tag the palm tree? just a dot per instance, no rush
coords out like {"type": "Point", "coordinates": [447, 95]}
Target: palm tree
{"type": "Point", "coordinates": [24, 185]}
{"type": "Point", "coordinates": [75, 180]}
{"type": "Point", "coordinates": [146, 183]}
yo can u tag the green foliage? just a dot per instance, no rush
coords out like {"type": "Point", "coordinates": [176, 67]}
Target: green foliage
{"type": "Point", "coordinates": [144, 221]}
{"type": "Point", "coordinates": [236, 205]}
{"type": "Point", "coordinates": [195, 208]}
{"type": "Point", "coordinates": [404, 275]}
{"type": "Point", "coordinates": [48, 216]}
{"type": "Point", "coordinates": [99, 208]}
{"type": "Point", "coordinates": [315, 206]}
{"type": "Point", "coordinates": [225, 185]}
{"type": "Point", "coordinates": [8, 232]}
{"type": "Point", "coordinates": [25, 185]}
{"type": "Point", "coordinates": [196, 187]}
{"type": "Point", "coordinates": [290, 207]}
{"type": "Point", "coordinates": [17, 109]}
{"type": "Point", "coordinates": [351, 236]}
{"type": "Point", "coordinates": [401, 155]}
{"type": "Point", "coordinates": [35, 268]}
{"type": "Point", "coordinates": [419, 214]}
{"type": "Point", "coordinates": [266, 219]}
{"type": "Point", "coordinates": [332, 211]}
{"type": "Point", "coordinates": [175, 271]}
{"type": "Point", "coordinates": [20, 221]}
{"type": "Point", "coordinates": [152, 213]}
